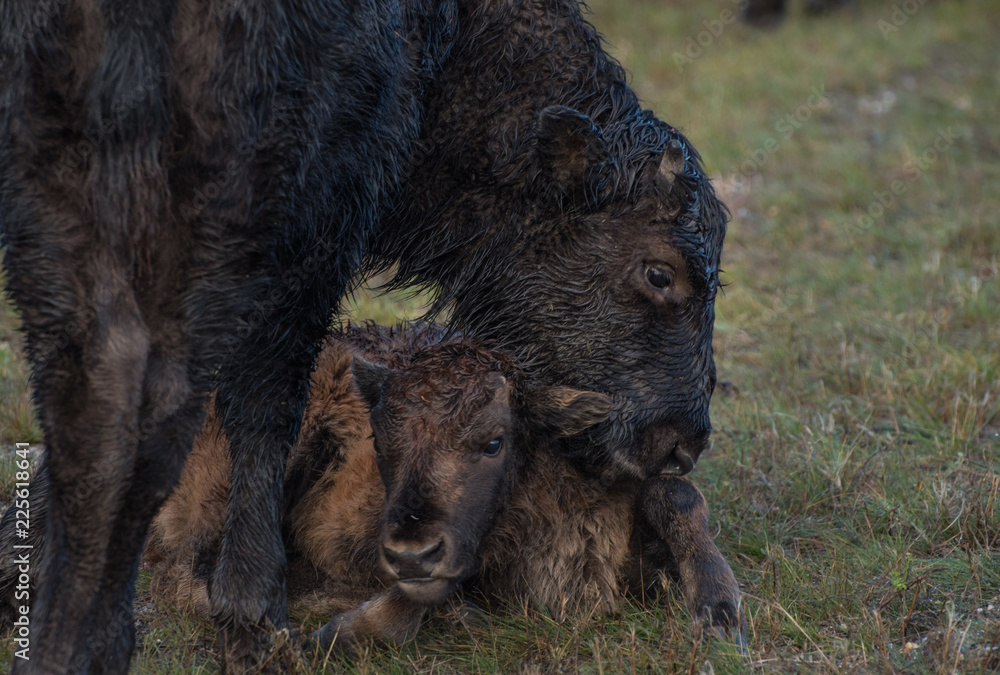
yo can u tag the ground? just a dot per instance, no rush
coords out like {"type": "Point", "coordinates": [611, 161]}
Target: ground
{"type": "Point", "coordinates": [855, 475]}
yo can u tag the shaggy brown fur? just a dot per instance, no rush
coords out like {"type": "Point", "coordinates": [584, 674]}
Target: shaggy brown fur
{"type": "Point", "coordinates": [563, 541]}
{"type": "Point", "coordinates": [189, 524]}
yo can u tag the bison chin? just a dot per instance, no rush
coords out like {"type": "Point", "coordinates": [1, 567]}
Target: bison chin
{"type": "Point", "coordinates": [619, 451]}
{"type": "Point", "coordinates": [428, 590]}
{"type": "Point", "coordinates": [424, 572]}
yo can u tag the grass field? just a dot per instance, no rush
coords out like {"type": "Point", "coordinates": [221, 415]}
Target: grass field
{"type": "Point", "coordinates": [855, 474]}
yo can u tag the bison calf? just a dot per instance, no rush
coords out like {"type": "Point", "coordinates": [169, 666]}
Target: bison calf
{"type": "Point", "coordinates": [458, 424]}
{"type": "Point", "coordinates": [478, 489]}
{"type": "Point", "coordinates": [473, 489]}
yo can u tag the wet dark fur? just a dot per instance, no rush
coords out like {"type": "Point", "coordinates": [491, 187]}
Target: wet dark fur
{"type": "Point", "coordinates": [186, 188]}
{"type": "Point", "coordinates": [553, 207]}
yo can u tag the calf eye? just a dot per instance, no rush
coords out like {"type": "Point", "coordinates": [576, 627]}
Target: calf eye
{"type": "Point", "coordinates": [493, 447]}
{"type": "Point", "coordinates": [659, 277]}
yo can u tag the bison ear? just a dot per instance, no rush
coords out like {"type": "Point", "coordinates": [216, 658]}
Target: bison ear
{"type": "Point", "coordinates": [571, 154]}
{"type": "Point", "coordinates": [562, 411]}
{"type": "Point", "coordinates": [371, 379]}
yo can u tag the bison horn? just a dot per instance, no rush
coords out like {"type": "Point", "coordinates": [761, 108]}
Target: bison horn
{"type": "Point", "coordinates": [672, 162]}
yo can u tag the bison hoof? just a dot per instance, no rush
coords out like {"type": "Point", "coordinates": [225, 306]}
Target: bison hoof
{"type": "Point", "coordinates": [254, 649]}
{"type": "Point", "coordinates": [724, 621]}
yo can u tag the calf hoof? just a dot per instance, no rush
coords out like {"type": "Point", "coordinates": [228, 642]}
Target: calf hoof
{"type": "Point", "coordinates": [713, 596]}
{"type": "Point", "coordinates": [724, 622]}
{"type": "Point", "coordinates": [389, 616]}
{"type": "Point", "coordinates": [339, 634]}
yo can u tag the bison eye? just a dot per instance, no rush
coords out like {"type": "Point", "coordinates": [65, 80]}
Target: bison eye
{"type": "Point", "coordinates": [493, 447]}
{"type": "Point", "coordinates": [659, 277]}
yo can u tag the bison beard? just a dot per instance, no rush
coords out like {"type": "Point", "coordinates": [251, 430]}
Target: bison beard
{"type": "Point", "coordinates": [187, 188]}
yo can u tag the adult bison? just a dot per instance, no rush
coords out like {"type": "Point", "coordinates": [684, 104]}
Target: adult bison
{"type": "Point", "coordinates": [187, 187]}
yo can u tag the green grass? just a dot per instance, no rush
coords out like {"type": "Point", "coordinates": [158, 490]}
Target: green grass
{"type": "Point", "coordinates": [855, 474]}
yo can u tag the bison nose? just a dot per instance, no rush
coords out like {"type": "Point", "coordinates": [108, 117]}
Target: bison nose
{"type": "Point", "coordinates": [411, 560]}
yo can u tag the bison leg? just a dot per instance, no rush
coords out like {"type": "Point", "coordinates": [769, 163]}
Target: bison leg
{"type": "Point", "coordinates": [165, 432]}
{"type": "Point", "coordinates": [169, 421]}
{"type": "Point", "coordinates": [90, 391]}
{"type": "Point", "coordinates": [677, 515]}
{"type": "Point", "coordinates": [260, 401]}
{"type": "Point", "coordinates": [389, 616]}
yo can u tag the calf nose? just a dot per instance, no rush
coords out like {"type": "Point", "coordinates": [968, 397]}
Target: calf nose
{"type": "Point", "coordinates": [412, 560]}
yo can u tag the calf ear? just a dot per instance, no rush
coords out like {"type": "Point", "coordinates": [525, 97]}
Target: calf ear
{"type": "Point", "coordinates": [571, 154]}
{"type": "Point", "coordinates": [371, 379]}
{"type": "Point", "coordinates": [562, 411]}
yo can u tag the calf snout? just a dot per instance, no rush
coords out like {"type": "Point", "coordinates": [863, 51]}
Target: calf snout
{"type": "Point", "coordinates": [422, 566]}
{"type": "Point", "coordinates": [413, 559]}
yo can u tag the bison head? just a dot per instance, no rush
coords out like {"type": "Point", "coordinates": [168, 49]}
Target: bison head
{"type": "Point", "coordinates": [589, 246]}
{"type": "Point", "coordinates": [613, 290]}
{"type": "Point", "coordinates": [583, 237]}
{"type": "Point", "coordinates": [450, 430]}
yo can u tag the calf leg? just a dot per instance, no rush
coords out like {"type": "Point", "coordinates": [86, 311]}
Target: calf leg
{"type": "Point", "coordinates": [675, 512]}
{"type": "Point", "coordinates": [389, 616]}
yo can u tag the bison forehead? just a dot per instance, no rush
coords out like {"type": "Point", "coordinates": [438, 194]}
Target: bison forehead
{"type": "Point", "coordinates": [453, 377]}
{"type": "Point", "coordinates": [454, 416]}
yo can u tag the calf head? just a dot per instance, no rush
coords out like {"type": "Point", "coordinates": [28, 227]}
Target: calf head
{"type": "Point", "coordinates": [451, 430]}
